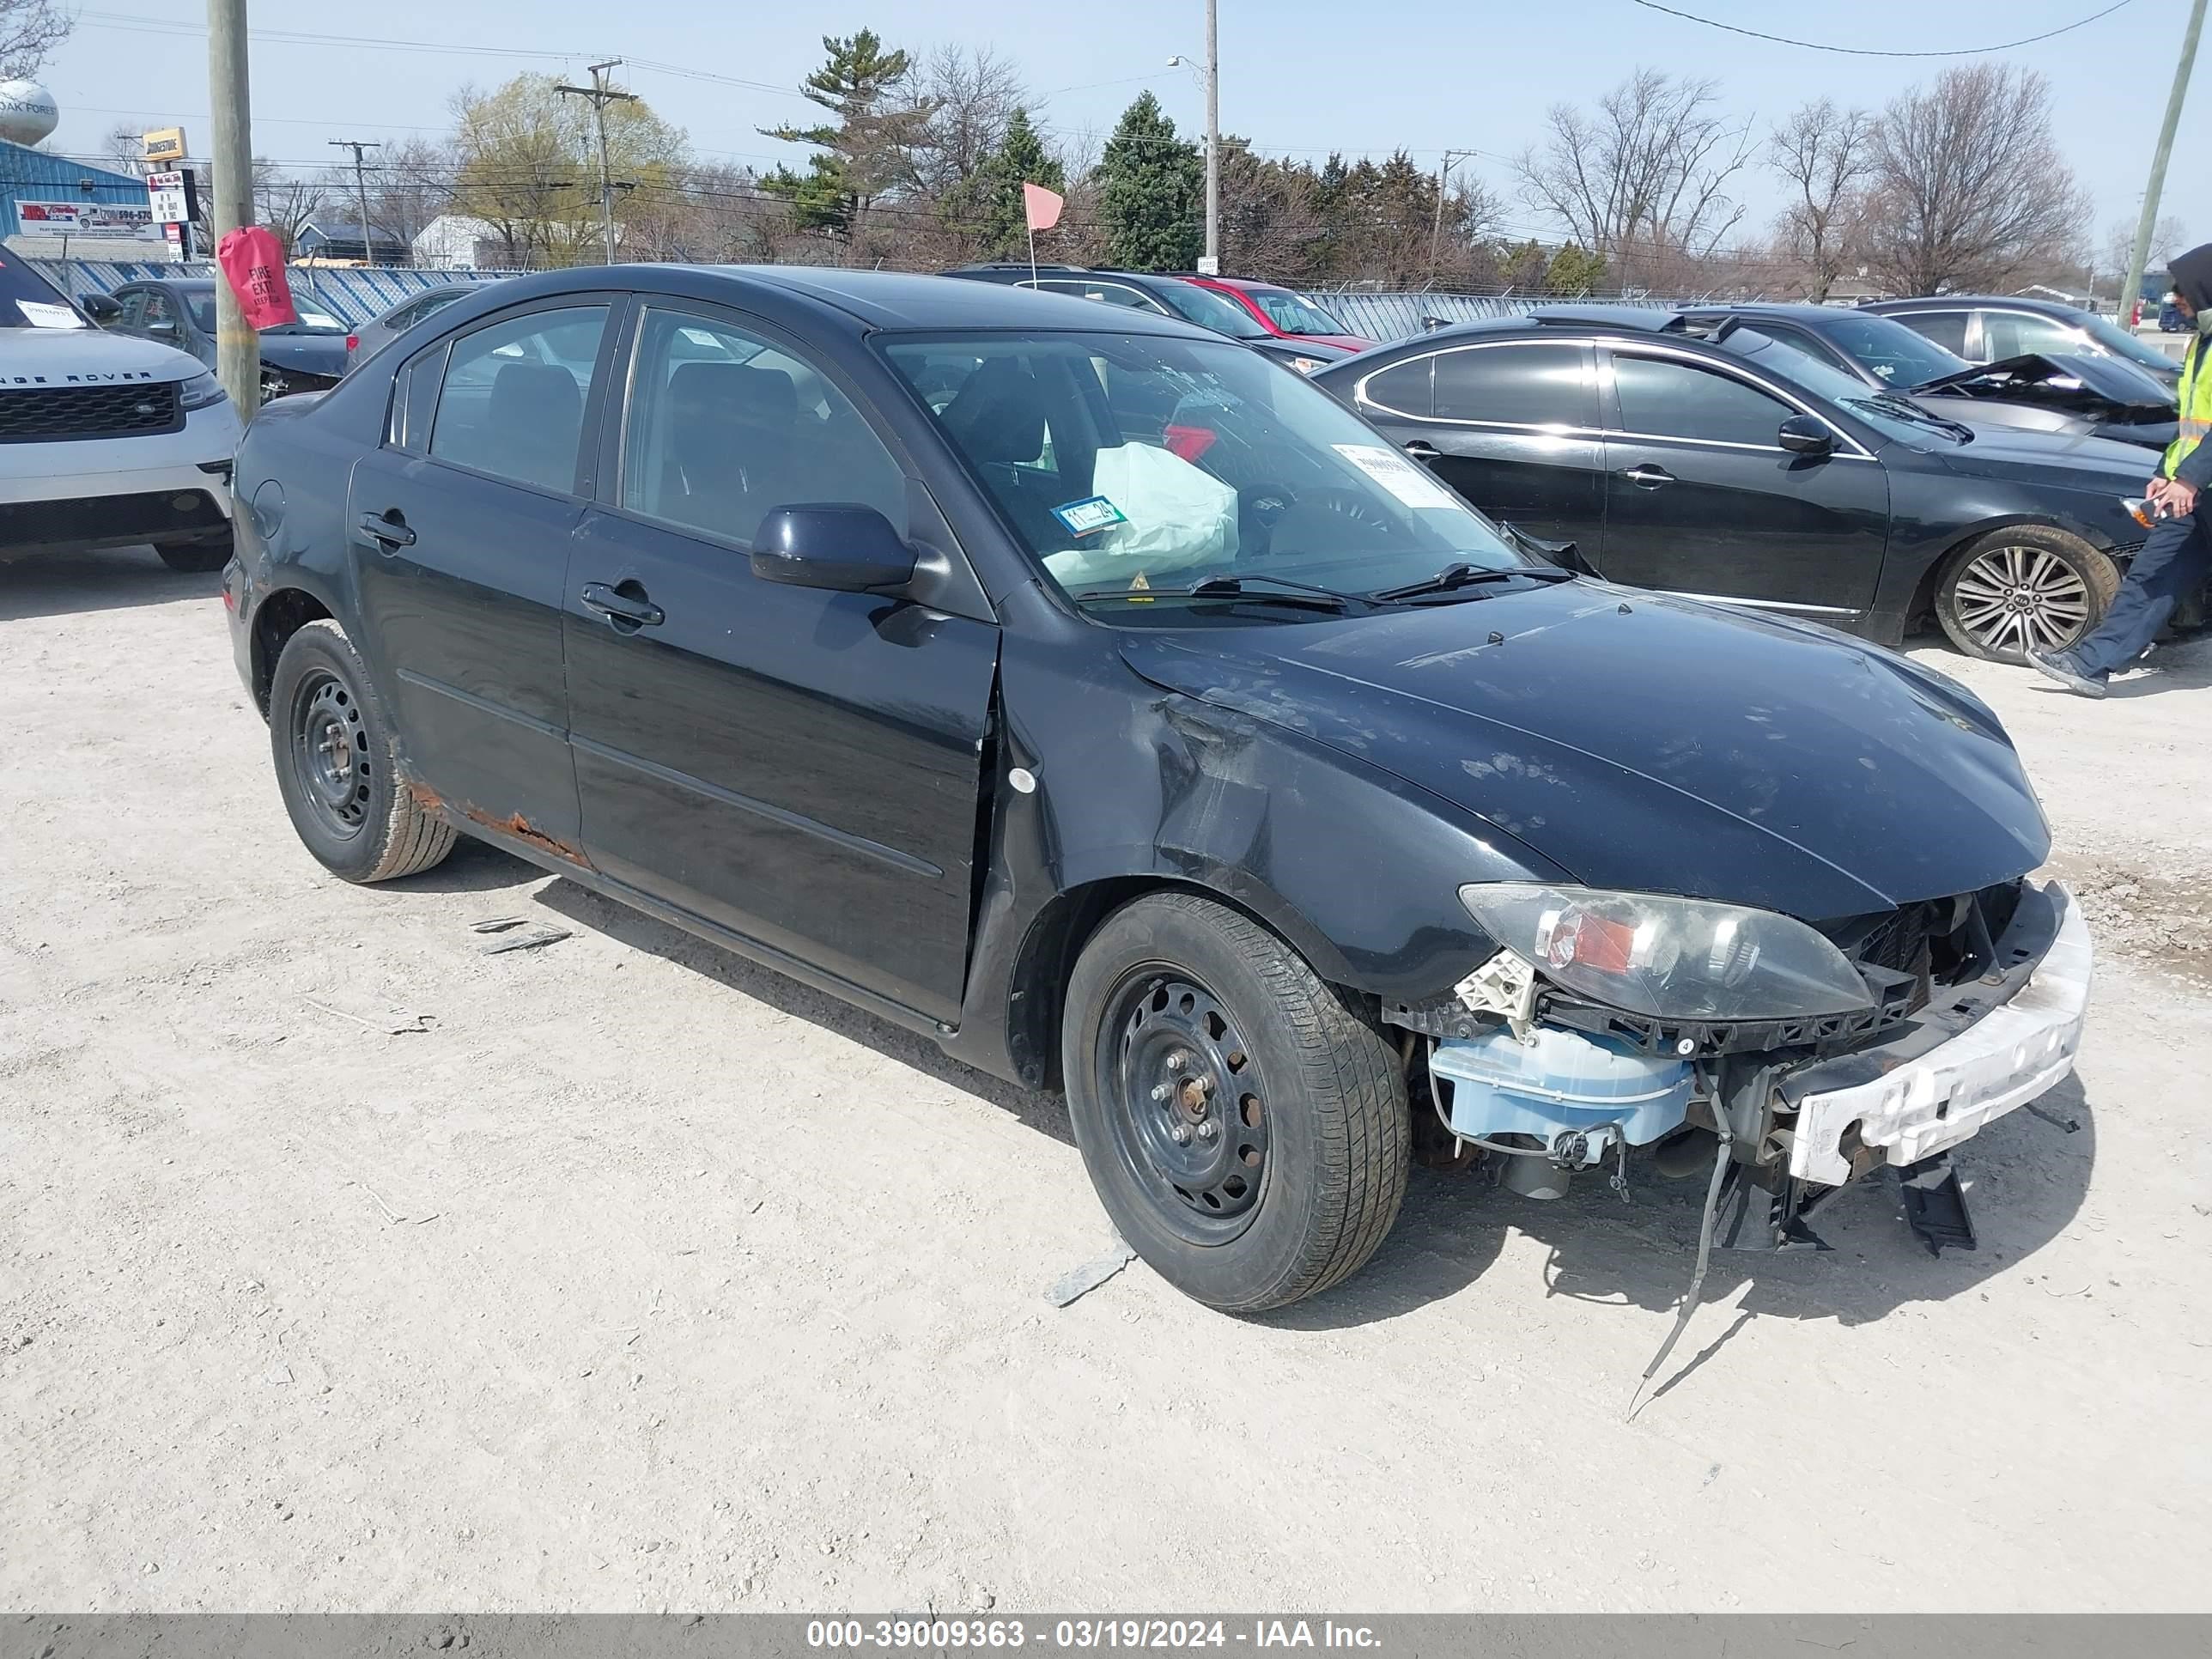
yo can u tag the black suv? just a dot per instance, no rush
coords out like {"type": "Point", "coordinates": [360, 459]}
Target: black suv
{"type": "Point", "coordinates": [1162, 296]}
{"type": "Point", "coordinates": [1754, 474]}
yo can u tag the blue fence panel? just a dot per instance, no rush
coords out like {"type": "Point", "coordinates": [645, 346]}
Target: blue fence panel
{"type": "Point", "coordinates": [353, 293]}
{"type": "Point", "coordinates": [1388, 317]}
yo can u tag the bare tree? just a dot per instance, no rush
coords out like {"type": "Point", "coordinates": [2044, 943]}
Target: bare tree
{"type": "Point", "coordinates": [412, 185]}
{"type": "Point", "coordinates": [284, 202]}
{"type": "Point", "coordinates": [1642, 181]}
{"type": "Point", "coordinates": [1969, 188]}
{"type": "Point", "coordinates": [124, 148]}
{"type": "Point", "coordinates": [2167, 238]}
{"type": "Point", "coordinates": [1825, 153]}
{"type": "Point", "coordinates": [29, 31]}
{"type": "Point", "coordinates": [969, 94]}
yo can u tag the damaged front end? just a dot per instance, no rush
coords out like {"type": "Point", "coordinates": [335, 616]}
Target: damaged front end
{"type": "Point", "coordinates": [1811, 1056]}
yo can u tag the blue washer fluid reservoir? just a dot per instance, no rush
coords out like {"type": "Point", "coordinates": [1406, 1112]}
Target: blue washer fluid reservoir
{"type": "Point", "coordinates": [1561, 1081]}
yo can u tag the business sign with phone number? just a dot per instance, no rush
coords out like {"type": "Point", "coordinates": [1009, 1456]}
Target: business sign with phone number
{"type": "Point", "coordinates": [114, 221]}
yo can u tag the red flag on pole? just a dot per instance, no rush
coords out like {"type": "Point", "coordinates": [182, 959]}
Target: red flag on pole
{"type": "Point", "coordinates": [1041, 206]}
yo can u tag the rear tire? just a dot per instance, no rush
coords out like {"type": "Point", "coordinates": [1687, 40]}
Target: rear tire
{"type": "Point", "coordinates": [2024, 586]}
{"type": "Point", "coordinates": [1247, 1131]}
{"type": "Point", "coordinates": [338, 764]}
{"type": "Point", "coordinates": [195, 558]}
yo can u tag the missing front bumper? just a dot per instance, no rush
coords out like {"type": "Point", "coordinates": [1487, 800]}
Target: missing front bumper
{"type": "Point", "coordinates": [1991, 1047]}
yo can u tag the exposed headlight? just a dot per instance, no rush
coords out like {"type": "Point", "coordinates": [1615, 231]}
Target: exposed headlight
{"type": "Point", "coordinates": [200, 390]}
{"type": "Point", "coordinates": [1307, 365]}
{"type": "Point", "coordinates": [1669, 959]}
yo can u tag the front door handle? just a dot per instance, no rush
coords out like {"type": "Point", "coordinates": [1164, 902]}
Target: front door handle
{"type": "Point", "coordinates": [1424, 452]}
{"type": "Point", "coordinates": [387, 529]}
{"type": "Point", "coordinates": [624, 605]}
{"type": "Point", "coordinates": [1648, 477]}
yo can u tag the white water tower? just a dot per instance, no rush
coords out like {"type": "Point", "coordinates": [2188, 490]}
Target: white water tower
{"type": "Point", "coordinates": [28, 115]}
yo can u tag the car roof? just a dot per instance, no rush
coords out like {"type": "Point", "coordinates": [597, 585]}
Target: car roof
{"type": "Point", "coordinates": [1620, 321]}
{"type": "Point", "coordinates": [1956, 301]}
{"type": "Point", "coordinates": [856, 300]}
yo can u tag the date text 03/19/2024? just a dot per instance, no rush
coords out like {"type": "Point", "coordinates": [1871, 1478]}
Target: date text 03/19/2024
{"type": "Point", "coordinates": [1086, 1633]}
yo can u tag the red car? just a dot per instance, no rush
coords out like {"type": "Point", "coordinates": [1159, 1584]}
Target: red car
{"type": "Point", "coordinates": [1281, 313]}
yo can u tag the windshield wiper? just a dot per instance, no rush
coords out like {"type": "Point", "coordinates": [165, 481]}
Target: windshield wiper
{"type": "Point", "coordinates": [1279, 589]}
{"type": "Point", "coordinates": [1897, 403]}
{"type": "Point", "coordinates": [1453, 577]}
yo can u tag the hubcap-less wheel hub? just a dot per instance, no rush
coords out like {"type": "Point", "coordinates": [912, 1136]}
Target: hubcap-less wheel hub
{"type": "Point", "coordinates": [1189, 1108]}
{"type": "Point", "coordinates": [329, 754]}
{"type": "Point", "coordinates": [2022, 598]}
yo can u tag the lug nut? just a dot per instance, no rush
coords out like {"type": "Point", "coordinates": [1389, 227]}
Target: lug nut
{"type": "Point", "coordinates": [1161, 1090]}
{"type": "Point", "coordinates": [1207, 1130]}
{"type": "Point", "coordinates": [1178, 1060]}
{"type": "Point", "coordinates": [1180, 1134]}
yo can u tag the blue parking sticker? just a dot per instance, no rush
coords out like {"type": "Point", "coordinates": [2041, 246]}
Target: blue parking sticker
{"type": "Point", "coordinates": [1090, 516]}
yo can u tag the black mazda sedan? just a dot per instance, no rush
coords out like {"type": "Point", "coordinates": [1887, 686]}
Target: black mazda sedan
{"type": "Point", "coordinates": [1749, 471]}
{"type": "Point", "coordinates": [1110, 704]}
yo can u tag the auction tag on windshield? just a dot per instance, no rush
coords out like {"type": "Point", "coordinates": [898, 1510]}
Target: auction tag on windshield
{"type": "Point", "coordinates": [39, 315]}
{"type": "Point", "coordinates": [1397, 475]}
{"type": "Point", "coordinates": [1090, 516]}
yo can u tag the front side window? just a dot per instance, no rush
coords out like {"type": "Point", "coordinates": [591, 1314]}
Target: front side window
{"type": "Point", "coordinates": [2016, 333]}
{"type": "Point", "coordinates": [1111, 294]}
{"type": "Point", "coordinates": [512, 401]}
{"type": "Point", "coordinates": [1662, 399]}
{"type": "Point", "coordinates": [158, 310]}
{"type": "Point", "coordinates": [203, 310]}
{"type": "Point", "coordinates": [724, 427]}
{"type": "Point", "coordinates": [1133, 466]}
{"type": "Point", "coordinates": [1517, 385]}
{"type": "Point", "coordinates": [1210, 309]}
{"type": "Point", "coordinates": [1892, 353]}
{"type": "Point", "coordinates": [2104, 331]}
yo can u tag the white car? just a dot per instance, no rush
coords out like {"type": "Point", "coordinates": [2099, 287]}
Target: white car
{"type": "Point", "coordinates": [104, 440]}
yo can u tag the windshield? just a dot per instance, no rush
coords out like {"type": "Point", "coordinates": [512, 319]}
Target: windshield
{"type": "Point", "coordinates": [1214, 310]}
{"type": "Point", "coordinates": [1891, 413]}
{"type": "Point", "coordinates": [29, 300]}
{"type": "Point", "coordinates": [1293, 314]}
{"type": "Point", "coordinates": [2115, 339]}
{"type": "Point", "coordinates": [1891, 351]}
{"type": "Point", "coordinates": [1130, 466]}
{"type": "Point", "coordinates": [313, 319]}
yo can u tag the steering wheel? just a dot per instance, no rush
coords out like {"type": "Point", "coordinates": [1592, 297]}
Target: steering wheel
{"type": "Point", "coordinates": [1323, 520]}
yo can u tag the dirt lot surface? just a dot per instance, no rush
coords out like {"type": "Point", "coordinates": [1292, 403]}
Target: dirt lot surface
{"type": "Point", "coordinates": [639, 1278]}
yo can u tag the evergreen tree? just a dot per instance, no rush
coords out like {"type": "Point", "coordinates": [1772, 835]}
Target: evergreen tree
{"type": "Point", "coordinates": [1152, 188]}
{"type": "Point", "coordinates": [864, 86]}
{"type": "Point", "coordinates": [1001, 223]}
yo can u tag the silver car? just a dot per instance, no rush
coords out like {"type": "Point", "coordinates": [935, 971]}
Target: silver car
{"type": "Point", "coordinates": [373, 336]}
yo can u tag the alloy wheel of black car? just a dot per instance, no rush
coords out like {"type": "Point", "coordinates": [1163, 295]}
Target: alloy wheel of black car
{"type": "Point", "coordinates": [2024, 588]}
{"type": "Point", "coordinates": [337, 767]}
{"type": "Point", "coordinates": [1246, 1129]}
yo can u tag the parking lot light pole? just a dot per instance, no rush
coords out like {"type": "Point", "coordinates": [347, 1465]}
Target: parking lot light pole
{"type": "Point", "coordinates": [2140, 255]}
{"type": "Point", "coordinates": [237, 348]}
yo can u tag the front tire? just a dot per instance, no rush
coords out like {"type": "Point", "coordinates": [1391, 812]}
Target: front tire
{"type": "Point", "coordinates": [2025, 587]}
{"type": "Point", "coordinates": [337, 766]}
{"type": "Point", "coordinates": [1246, 1130]}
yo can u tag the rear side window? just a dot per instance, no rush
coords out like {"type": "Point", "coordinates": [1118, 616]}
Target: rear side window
{"type": "Point", "coordinates": [1663, 398]}
{"type": "Point", "coordinates": [1402, 388]}
{"type": "Point", "coordinates": [1946, 328]}
{"type": "Point", "coordinates": [2014, 333]}
{"type": "Point", "coordinates": [511, 400]}
{"type": "Point", "coordinates": [1517, 386]}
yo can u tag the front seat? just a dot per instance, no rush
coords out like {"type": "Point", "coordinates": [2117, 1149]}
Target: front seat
{"type": "Point", "coordinates": [733, 430]}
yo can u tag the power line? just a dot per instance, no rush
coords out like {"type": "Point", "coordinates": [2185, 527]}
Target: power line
{"type": "Point", "coordinates": [1871, 51]}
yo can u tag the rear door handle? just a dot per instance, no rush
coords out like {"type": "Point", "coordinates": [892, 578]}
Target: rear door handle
{"type": "Point", "coordinates": [1649, 477]}
{"type": "Point", "coordinates": [623, 604]}
{"type": "Point", "coordinates": [1424, 452]}
{"type": "Point", "coordinates": [387, 528]}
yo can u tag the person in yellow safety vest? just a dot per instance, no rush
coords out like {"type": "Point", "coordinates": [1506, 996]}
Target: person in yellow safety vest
{"type": "Point", "coordinates": [2178, 555]}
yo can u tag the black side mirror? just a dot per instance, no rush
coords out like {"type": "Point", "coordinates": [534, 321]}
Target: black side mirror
{"type": "Point", "coordinates": [1801, 434]}
{"type": "Point", "coordinates": [837, 545]}
{"type": "Point", "coordinates": [102, 309]}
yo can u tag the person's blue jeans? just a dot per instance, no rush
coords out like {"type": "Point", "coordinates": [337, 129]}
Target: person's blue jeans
{"type": "Point", "coordinates": [2173, 562]}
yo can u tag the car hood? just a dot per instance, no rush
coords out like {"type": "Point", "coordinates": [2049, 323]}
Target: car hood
{"type": "Point", "coordinates": [2071, 460]}
{"type": "Point", "coordinates": [52, 356]}
{"type": "Point", "coordinates": [312, 354]}
{"type": "Point", "coordinates": [2084, 385]}
{"type": "Point", "coordinates": [1651, 743]}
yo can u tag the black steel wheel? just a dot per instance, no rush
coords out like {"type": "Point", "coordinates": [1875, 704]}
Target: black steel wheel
{"type": "Point", "coordinates": [337, 766]}
{"type": "Point", "coordinates": [1245, 1125]}
{"type": "Point", "coordinates": [1187, 1105]}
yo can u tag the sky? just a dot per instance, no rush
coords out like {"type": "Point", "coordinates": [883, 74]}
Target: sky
{"type": "Point", "coordinates": [1298, 77]}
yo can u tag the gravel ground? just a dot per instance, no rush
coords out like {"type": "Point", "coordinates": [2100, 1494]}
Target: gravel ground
{"type": "Point", "coordinates": [343, 1267]}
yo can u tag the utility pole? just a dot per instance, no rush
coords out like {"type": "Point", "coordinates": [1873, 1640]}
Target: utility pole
{"type": "Point", "coordinates": [2141, 253]}
{"type": "Point", "coordinates": [361, 192]}
{"type": "Point", "coordinates": [1214, 142]}
{"type": "Point", "coordinates": [601, 95]}
{"type": "Point", "coordinates": [1436, 235]}
{"type": "Point", "coordinates": [237, 349]}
